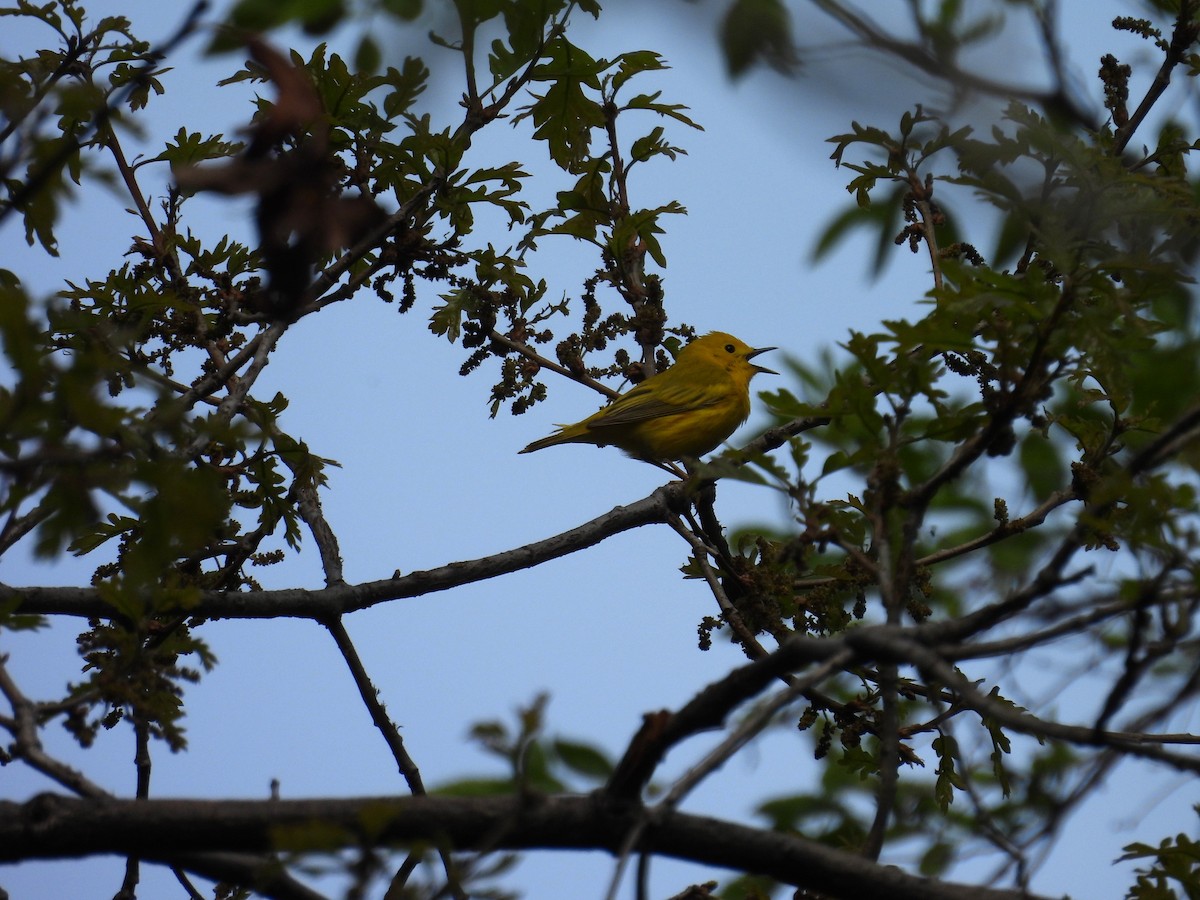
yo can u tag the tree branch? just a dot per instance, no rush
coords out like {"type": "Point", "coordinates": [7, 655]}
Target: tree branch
{"type": "Point", "coordinates": [929, 60]}
{"type": "Point", "coordinates": [878, 643]}
{"type": "Point", "coordinates": [52, 826]}
{"type": "Point", "coordinates": [391, 736]}
{"type": "Point", "coordinates": [340, 599]}
{"type": "Point", "coordinates": [1183, 35]}
{"type": "Point", "coordinates": [708, 709]}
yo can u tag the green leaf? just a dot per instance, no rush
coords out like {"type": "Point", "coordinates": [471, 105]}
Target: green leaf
{"type": "Point", "coordinates": [948, 779]}
{"type": "Point", "coordinates": [189, 148]}
{"type": "Point", "coordinates": [114, 526]}
{"type": "Point", "coordinates": [1042, 465]}
{"type": "Point", "coordinates": [314, 16]}
{"type": "Point", "coordinates": [642, 226]}
{"type": "Point", "coordinates": [368, 56]}
{"type": "Point", "coordinates": [881, 217]}
{"type": "Point", "coordinates": [447, 318]}
{"type": "Point", "coordinates": [671, 110]}
{"type": "Point", "coordinates": [476, 787]}
{"type": "Point", "coordinates": [937, 859]}
{"type": "Point", "coordinates": [634, 63]}
{"type": "Point", "coordinates": [406, 83]}
{"type": "Point", "coordinates": [565, 115]}
{"type": "Point", "coordinates": [11, 622]}
{"type": "Point", "coordinates": [755, 31]}
{"type": "Point", "coordinates": [583, 759]}
{"type": "Point", "coordinates": [526, 25]}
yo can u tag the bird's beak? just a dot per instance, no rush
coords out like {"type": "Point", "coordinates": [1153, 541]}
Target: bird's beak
{"type": "Point", "coordinates": [763, 369]}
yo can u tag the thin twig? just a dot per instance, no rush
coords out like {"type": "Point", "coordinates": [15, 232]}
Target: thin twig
{"type": "Point", "coordinates": [369, 695]}
{"type": "Point", "coordinates": [925, 59]}
{"type": "Point", "coordinates": [745, 637]}
{"type": "Point", "coordinates": [1183, 35]}
{"type": "Point", "coordinates": [546, 363]}
{"type": "Point", "coordinates": [233, 401]}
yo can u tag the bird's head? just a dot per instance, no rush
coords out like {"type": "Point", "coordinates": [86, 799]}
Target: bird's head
{"type": "Point", "coordinates": [726, 351]}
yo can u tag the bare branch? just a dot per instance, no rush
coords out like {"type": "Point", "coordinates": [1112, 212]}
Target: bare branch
{"type": "Point", "coordinates": [391, 735]}
{"type": "Point", "coordinates": [50, 826]}
{"type": "Point", "coordinates": [340, 599]}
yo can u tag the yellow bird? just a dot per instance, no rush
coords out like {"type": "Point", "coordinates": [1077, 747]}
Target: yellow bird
{"type": "Point", "coordinates": [682, 412]}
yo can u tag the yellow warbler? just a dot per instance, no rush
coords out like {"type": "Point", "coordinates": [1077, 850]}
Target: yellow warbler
{"type": "Point", "coordinates": [685, 411]}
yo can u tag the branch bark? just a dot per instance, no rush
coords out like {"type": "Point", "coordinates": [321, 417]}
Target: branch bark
{"type": "Point", "coordinates": [340, 599]}
{"type": "Point", "coordinates": [52, 826]}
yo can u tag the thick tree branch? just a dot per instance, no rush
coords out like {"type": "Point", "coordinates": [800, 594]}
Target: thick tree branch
{"type": "Point", "coordinates": [51, 826]}
{"type": "Point", "coordinates": [709, 708]}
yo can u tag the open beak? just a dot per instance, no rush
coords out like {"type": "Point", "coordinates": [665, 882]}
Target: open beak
{"type": "Point", "coordinates": [763, 369]}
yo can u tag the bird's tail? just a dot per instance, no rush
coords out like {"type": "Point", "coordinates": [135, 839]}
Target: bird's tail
{"type": "Point", "coordinates": [562, 436]}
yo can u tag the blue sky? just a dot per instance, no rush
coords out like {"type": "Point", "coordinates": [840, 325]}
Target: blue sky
{"type": "Point", "coordinates": [428, 478]}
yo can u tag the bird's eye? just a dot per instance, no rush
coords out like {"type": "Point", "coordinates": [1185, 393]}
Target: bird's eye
{"type": "Point", "coordinates": [729, 348]}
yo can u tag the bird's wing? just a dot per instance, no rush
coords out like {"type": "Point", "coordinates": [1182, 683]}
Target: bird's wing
{"type": "Point", "coordinates": [644, 403]}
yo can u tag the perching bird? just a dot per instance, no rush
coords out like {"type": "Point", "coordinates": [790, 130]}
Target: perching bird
{"type": "Point", "coordinates": [682, 412]}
